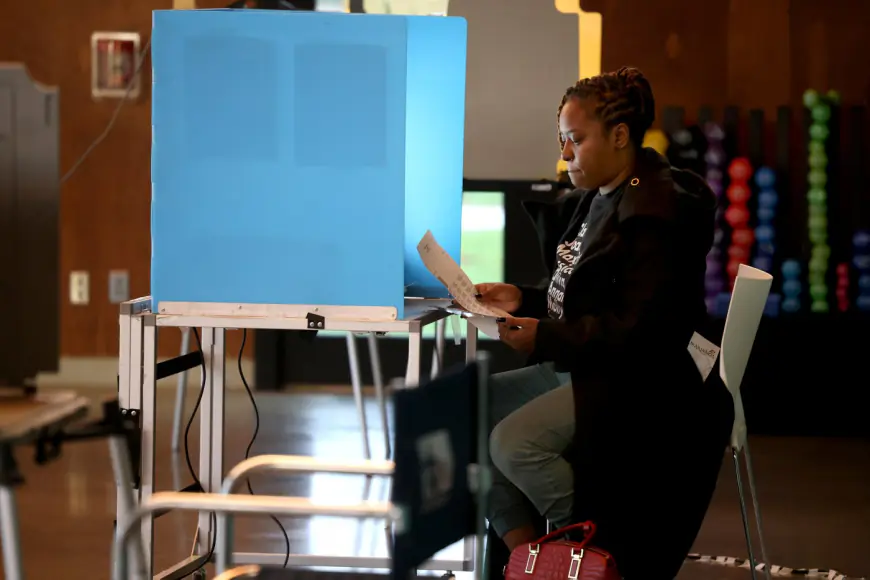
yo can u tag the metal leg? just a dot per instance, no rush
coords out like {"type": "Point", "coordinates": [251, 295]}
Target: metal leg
{"type": "Point", "coordinates": [415, 345]}
{"type": "Point", "coordinates": [737, 470]}
{"type": "Point", "coordinates": [124, 361]}
{"type": "Point", "coordinates": [179, 395]}
{"type": "Point", "coordinates": [754, 493]}
{"type": "Point", "coordinates": [12, 562]}
{"type": "Point", "coordinates": [124, 483]}
{"type": "Point", "coordinates": [218, 415]}
{"type": "Point", "coordinates": [206, 412]}
{"type": "Point", "coordinates": [438, 352]}
{"type": "Point", "coordinates": [356, 383]}
{"type": "Point", "coordinates": [378, 378]}
{"type": "Point", "coordinates": [470, 343]}
{"type": "Point", "coordinates": [149, 410]}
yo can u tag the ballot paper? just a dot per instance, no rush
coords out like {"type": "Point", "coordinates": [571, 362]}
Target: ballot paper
{"type": "Point", "coordinates": [457, 282]}
{"type": "Point", "coordinates": [485, 324]}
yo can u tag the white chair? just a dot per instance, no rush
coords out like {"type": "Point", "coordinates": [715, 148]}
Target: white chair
{"type": "Point", "coordinates": [751, 288]}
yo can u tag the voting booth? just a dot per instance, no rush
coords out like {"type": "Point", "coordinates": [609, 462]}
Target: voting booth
{"type": "Point", "coordinates": [255, 111]}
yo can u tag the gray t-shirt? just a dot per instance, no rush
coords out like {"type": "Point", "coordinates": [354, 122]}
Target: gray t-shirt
{"type": "Point", "coordinates": [570, 251]}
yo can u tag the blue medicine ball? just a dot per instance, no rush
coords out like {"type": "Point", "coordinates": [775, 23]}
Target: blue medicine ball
{"type": "Point", "coordinates": [767, 198]}
{"type": "Point", "coordinates": [765, 215]}
{"type": "Point", "coordinates": [762, 263]}
{"type": "Point", "coordinates": [764, 234]}
{"type": "Point", "coordinates": [791, 269]}
{"type": "Point", "coordinates": [765, 177]}
{"type": "Point", "coordinates": [791, 288]}
{"type": "Point", "coordinates": [861, 240]}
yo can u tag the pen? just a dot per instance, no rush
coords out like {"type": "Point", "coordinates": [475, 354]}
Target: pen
{"type": "Point", "coordinates": [510, 327]}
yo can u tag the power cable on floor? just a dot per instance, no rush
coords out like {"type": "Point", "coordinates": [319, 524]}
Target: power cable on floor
{"type": "Point", "coordinates": [780, 571]}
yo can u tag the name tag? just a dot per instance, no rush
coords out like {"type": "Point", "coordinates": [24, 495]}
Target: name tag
{"type": "Point", "coordinates": [704, 354]}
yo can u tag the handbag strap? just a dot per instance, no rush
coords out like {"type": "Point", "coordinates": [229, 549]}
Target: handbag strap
{"type": "Point", "coordinates": [587, 527]}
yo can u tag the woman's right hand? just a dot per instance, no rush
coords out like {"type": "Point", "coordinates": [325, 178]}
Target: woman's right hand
{"type": "Point", "coordinates": [507, 297]}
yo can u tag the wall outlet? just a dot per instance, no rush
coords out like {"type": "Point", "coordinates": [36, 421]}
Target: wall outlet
{"type": "Point", "coordinates": [79, 288]}
{"type": "Point", "coordinates": [119, 286]}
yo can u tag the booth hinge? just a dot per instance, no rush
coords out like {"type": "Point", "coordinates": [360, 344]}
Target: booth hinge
{"type": "Point", "coordinates": [315, 321]}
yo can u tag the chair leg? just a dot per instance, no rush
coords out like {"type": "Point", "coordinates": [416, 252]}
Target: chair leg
{"type": "Point", "coordinates": [754, 493]}
{"type": "Point", "coordinates": [438, 351]}
{"type": "Point", "coordinates": [378, 379]}
{"type": "Point", "coordinates": [737, 472]}
{"type": "Point", "coordinates": [179, 394]}
{"type": "Point", "coordinates": [356, 383]}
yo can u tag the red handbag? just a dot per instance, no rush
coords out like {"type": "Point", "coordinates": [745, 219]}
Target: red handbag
{"type": "Point", "coordinates": [562, 560]}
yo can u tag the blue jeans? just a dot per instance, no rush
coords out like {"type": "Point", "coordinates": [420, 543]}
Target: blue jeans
{"type": "Point", "coordinates": [533, 423]}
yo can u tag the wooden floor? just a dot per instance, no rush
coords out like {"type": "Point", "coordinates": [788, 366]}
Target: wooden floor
{"type": "Point", "coordinates": [815, 495]}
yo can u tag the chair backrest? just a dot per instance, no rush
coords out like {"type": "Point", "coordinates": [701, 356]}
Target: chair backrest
{"type": "Point", "coordinates": [751, 288]}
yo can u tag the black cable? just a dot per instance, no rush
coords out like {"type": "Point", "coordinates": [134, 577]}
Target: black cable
{"type": "Point", "coordinates": [212, 516]}
{"type": "Point", "coordinates": [254, 438]}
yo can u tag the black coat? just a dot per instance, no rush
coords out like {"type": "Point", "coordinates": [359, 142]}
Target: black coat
{"type": "Point", "coordinates": [651, 434]}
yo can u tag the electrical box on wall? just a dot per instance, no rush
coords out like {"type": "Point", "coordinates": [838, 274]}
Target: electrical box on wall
{"type": "Point", "coordinates": [114, 56]}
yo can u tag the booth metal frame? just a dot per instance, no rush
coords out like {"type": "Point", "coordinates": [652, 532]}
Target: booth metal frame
{"type": "Point", "coordinates": [137, 378]}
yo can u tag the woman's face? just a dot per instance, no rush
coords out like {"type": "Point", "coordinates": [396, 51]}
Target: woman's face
{"type": "Point", "coordinates": [590, 150]}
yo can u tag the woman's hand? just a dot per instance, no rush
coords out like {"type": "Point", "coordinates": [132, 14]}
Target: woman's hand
{"type": "Point", "coordinates": [518, 333]}
{"type": "Point", "coordinates": [507, 297]}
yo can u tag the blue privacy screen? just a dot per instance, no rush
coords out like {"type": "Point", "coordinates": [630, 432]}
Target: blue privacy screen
{"type": "Point", "coordinates": [258, 114]}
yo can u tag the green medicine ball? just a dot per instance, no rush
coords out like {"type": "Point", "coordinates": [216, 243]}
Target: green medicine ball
{"type": "Point", "coordinates": [819, 132]}
{"type": "Point", "coordinates": [821, 113]}
{"type": "Point", "coordinates": [817, 178]}
{"type": "Point", "coordinates": [819, 291]}
{"type": "Point", "coordinates": [818, 236]}
{"type": "Point", "coordinates": [811, 98]}
{"type": "Point", "coordinates": [817, 210]}
{"type": "Point", "coordinates": [817, 279]}
{"type": "Point", "coordinates": [817, 195]}
{"type": "Point", "coordinates": [818, 222]}
{"type": "Point", "coordinates": [818, 160]}
{"type": "Point", "coordinates": [818, 265]}
{"type": "Point", "coordinates": [822, 251]}
{"type": "Point", "coordinates": [815, 147]}
{"type": "Point", "coordinates": [819, 307]}
{"type": "Point", "coordinates": [833, 96]}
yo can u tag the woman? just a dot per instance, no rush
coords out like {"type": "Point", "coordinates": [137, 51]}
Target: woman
{"type": "Point", "coordinates": [611, 421]}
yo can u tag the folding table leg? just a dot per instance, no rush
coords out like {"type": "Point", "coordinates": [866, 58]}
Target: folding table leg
{"type": "Point", "coordinates": [149, 410]}
{"type": "Point", "coordinates": [378, 379]}
{"type": "Point", "coordinates": [356, 382]}
{"type": "Point", "coordinates": [415, 347]}
{"type": "Point", "coordinates": [12, 562]}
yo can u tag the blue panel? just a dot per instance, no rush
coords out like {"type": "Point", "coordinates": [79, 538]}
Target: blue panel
{"type": "Point", "coordinates": [254, 113]}
{"type": "Point", "coordinates": [435, 128]}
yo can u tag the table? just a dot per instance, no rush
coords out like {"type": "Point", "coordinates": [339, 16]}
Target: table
{"type": "Point", "coordinates": [25, 420]}
{"type": "Point", "coordinates": [137, 392]}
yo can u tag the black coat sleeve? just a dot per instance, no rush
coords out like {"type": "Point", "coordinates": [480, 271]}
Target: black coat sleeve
{"type": "Point", "coordinates": [645, 270]}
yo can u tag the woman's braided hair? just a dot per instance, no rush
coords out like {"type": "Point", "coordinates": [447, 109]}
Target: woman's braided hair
{"type": "Point", "coordinates": [624, 96]}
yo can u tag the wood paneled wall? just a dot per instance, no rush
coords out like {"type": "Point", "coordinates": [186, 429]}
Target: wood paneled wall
{"type": "Point", "coordinates": [740, 52]}
{"type": "Point", "coordinates": [105, 205]}
{"type": "Point", "coordinates": [754, 54]}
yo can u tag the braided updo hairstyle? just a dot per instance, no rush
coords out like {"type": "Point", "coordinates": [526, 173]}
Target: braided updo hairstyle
{"type": "Point", "coordinates": [624, 96]}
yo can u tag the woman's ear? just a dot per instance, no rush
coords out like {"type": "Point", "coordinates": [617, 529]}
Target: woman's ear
{"type": "Point", "coordinates": [621, 137]}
